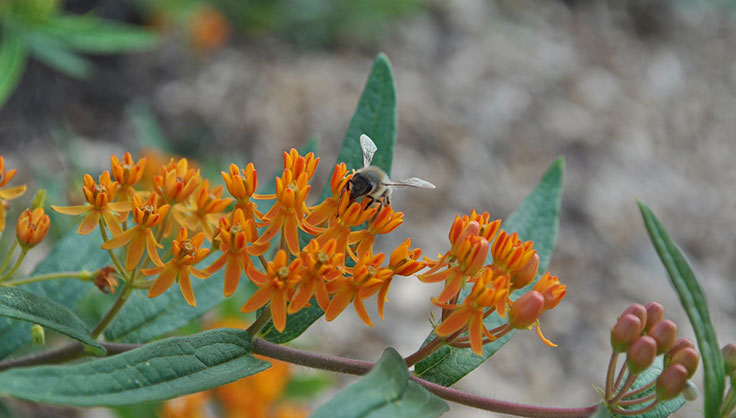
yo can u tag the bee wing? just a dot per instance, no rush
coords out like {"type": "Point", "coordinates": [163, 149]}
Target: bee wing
{"type": "Point", "coordinates": [412, 182]}
{"type": "Point", "coordinates": [368, 147]}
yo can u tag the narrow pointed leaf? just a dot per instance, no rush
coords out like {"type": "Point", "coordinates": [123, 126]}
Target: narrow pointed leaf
{"type": "Point", "coordinates": [13, 57]}
{"type": "Point", "coordinates": [536, 219]}
{"type": "Point", "coordinates": [72, 253]}
{"type": "Point", "coordinates": [385, 391]}
{"type": "Point", "coordinates": [55, 54]}
{"type": "Point", "coordinates": [161, 370]}
{"type": "Point", "coordinates": [695, 304]}
{"type": "Point", "coordinates": [99, 36]}
{"type": "Point", "coordinates": [27, 306]}
{"type": "Point", "coordinates": [377, 117]}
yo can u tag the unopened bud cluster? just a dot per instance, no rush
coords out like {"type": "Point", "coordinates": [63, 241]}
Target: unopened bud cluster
{"type": "Point", "coordinates": [643, 333]}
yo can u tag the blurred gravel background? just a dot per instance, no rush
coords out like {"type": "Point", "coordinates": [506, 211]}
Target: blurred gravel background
{"type": "Point", "coordinates": [638, 96]}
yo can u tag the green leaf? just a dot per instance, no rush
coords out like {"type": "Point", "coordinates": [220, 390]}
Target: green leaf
{"type": "Point", "coordinates": [302, 386]}
{"type": "Point", "coordinates": [385, 391]}
{"type": "Point", "coordinates": [55, 54]}
{"type": "Point", "coordinates": [663, 409]}
{"type": "Point", "coordinates": [693, 300]}
{"type": "Point", "coordinates": [375, 116]}
{"type": "Point", "coordinates": [537, 220]}
{"type": "Point", "coordinates": [13, 58]}
{"type": "Point", "coordinates": [27, 306]}
{"type": "Point", "coordinates": [99, 36]}
{"type": "Point", "coordinates": [161, 370]}
{"type": "Point", "coordinates": [72, 253]}
{"type": "Point", "coordinates": [143, 319]}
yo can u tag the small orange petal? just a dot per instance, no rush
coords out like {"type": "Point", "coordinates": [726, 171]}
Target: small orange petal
{"type": "Point", "coordinates": [233, 270]}
{"type": "Point", "coordinates": [89, 223]}
{"type": "Point", "coordinates": [362, 313]}
{"type": "Point", "coordinates": [291, 233]}
{"type": "Point", "coordinates": [185, 285]}
{"type": "Point", "coordinates": [258, 299]}
{"type": "Point", "coordinates": [338, 304]}
{"type": "Point", "coordinates": [278, 310]}
{"type": "Point", "coordinates": [135, 251]}
{"type": "Point", "coordinates": [163, 282]}
{"type": "Point", "coordinates": [453, 323]}
{"type": "Point", "coordinates": [120, 240]}
{"type": "Point", "coordinates": [72, 210]}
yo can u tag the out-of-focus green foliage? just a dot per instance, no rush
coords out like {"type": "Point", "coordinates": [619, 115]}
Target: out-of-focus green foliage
{"type": "Point", "coordinates": [40, 29]}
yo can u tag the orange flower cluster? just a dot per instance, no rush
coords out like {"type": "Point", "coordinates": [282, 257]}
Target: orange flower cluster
{"type": "Point", "coordinates": [319, 254]}
{"type": "Point", "coordinates": [514, 265]}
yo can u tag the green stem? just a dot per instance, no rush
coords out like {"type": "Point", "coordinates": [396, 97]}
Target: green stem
{"type": "Point", "coordinates": [259, 323]}
{"type": "Point", "coordinates": [8, 256]}
{"type": "Point", "coordinates": [729, 403]}
{"type": "Point", "coordinates": [18, 262]}
{"type": "Point", "coordinates": [118, 265]}
{"type": "Point", "coordinates": [83, 275]}
{"type": "Point", "coordinates": [114, 309]}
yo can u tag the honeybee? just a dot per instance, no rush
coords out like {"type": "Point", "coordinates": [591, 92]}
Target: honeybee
{"type": "Point", "coordinates": [373, 183]}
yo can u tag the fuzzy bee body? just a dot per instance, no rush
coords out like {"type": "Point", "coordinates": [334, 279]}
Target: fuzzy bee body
{"type": "Point", "coordinates": [372, 182]}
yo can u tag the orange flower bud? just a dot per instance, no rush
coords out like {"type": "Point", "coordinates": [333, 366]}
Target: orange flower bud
{"type": "Point", "coordinates": [626, 330]}
{"type": "Point", "coordinates": [127, 172]}
{"type": "Point", "coordinates": [553, 291]}
{"type": "Point", "coordinates": [655, 313]}
{"type": "Point", "coordinates": [32, 227]}
{"type": "Point", "coordinates": [664, 332]}
{"type": "Point", "coordinates": [639, 311]}
{"type": "Point", "coordinates": [105, 279]}
{"type": "Point", "coordinates": [526, 310]}
{"type": "Point", "coordinates": [641, 354]}
{"type": "Point", "coordinates": [671, 382]}
{"type": "Point", "coordinates": [680, 344]}
{"type": "Point", "coordinates": [688, 357]}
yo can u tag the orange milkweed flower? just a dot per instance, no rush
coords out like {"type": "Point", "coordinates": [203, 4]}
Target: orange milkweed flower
{"type": "Point", "coordinates": [348, 216]}
{"type": "Point", "coordinates": [9, 193]}
{"type": "Point", "coordinates": [277, 285]}
{"type": "Point", "coordinates": [242, 186]}
{"type": "Point", "coordinates": [205, 210]}
{"type": "Point", "coordinates": [320, 264]}
{"type": "Point", "coordinates": [234, 237]}
{"type": "Point", "coordinates": [32, 227]}
{"type": "Point", "coordinates": [300, 164]}
{"type": "Point", "coordinates": [146, 215]}
{"type": "Point", "coordinates": [403, 262]}
{"type": "Point", "coordinates": [176, 181]}
{"type": "Point", "coordinates": [367, 278]}
{"type": "Point", "coordinates": [383, 223]}
{"type": "Point", "coordinates": [489, 292]}
{"type": "Point", "coordinates": [209, 29]}
{"type": "Point", "coordinates": [100, 196]}
{"type": "Point", "coordinates": [545, 295]}
{"type": "Point", "coordinates": [185, 254]}
{"type": "Point", "coordinates": [287, 214]}
{"type": "Point", "coordinates": [327, 210]}
{"type": "Point", "coordinates": [463, 262]}
{"type": "Point", "coordinates": [127, 173]}
{"type": "Point", "coordinates": [552, 290]}
{"type": "Point", "coordinates": [510, 255]}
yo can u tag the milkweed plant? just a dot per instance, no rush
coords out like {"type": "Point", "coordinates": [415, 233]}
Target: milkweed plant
{"type": "Point", "coordinates": [189, 244]}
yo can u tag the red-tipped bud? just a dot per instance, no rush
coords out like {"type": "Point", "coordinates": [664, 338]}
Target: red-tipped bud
{"type": "Point", "coordinates": [639, 311]}
{"type": "Point", "coordinates": [671, 382]}
{"type": "Point", "coordinates": [626, 330]}
{"type": "Point", "coordinates": [655, 313]}
{"type": "Point", "coordinates": [527, 273]}
{"type": "Point", "coordinates": [679, 345]}
{"type": "Point", "coordinates": [526, 310]}
{"type": "Point", "coordinates": [664, 332]}
{"type": "Point", "coordinates": [689, 358]}
{"type": "Point", "coordinates": [641, 354]}
{"type": "Point", "coordinates": [729, 358]}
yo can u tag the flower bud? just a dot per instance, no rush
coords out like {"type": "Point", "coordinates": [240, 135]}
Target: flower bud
{"type": "Point", "coordinates": [655, 313]}
{"type": "Point", "coordinates": [664, 332]}
{"type": "Point", "coordinates": [679, 345]}
{"type": "Point", "coordinates": [526, 310]}
{"type": "Point", "coordinates": [38, 337]}
{"type": "Point", "coordinates": [691, 391]}
{"type": "Point", "coordinates": [671, 382]}
{"type": "Point", "coordinates": [527, 273]}
{"type": "Point", "coordinates": [689, 358]}
{"type": "Point", "coordinates": [39, 198]}
{"type": "Point", "coordinates": [32, 227]}
{"type": "Point", "coordinates": [641, 354]}
{"type": "Point", "coordinates": [729, 358]}
{"type": "Point", "coordinates": [639, 311]}
{"type": "Point", "coordinates": [105, 279]}
{"type": "Point", "coordinates": [626, 330]}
